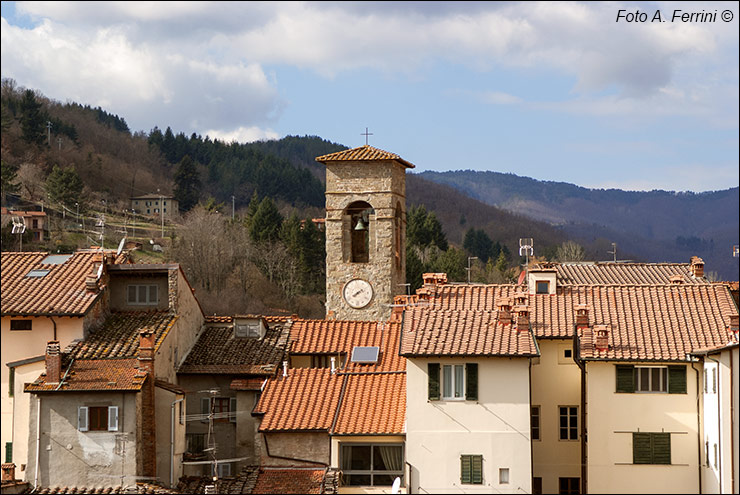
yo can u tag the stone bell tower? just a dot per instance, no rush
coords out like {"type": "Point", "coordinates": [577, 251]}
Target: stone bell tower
{"type": "Point", "coordinates": [365, 232]}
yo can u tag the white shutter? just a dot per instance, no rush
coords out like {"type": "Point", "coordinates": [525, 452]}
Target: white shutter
{"type": "Point", "coordinates": [153, 294]}
{"type": "Point", "coordinates": [232, 409]}
{"type": "Point", "coordinates": [82, 418]}
{"type": "Point", "coordinates": [205, 409]}
{"type": "Point", "coordinates": [113, 418]}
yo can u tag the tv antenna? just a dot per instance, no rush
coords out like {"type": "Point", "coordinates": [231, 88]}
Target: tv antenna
{"type": "Point", "coordinates": [120, 246]}
{"type": "Point", "coordinates": [526, 249]}
{"type": "Point", "coordinates": [614, 251]}
{"type": "Point", "coordinates": [19, 227]}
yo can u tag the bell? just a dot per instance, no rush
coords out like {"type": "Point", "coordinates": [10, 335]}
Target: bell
{"type": "Point", "coordinates": [360, 225]}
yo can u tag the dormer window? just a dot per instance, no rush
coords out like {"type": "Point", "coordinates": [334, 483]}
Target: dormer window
{"type": "Point", "coordinates": [543, 287]}
{"type": "Point", "coordinates": [249, 328]}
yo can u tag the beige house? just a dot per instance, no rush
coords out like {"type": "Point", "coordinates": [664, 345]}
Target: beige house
{"type": "Point", "coordinates": [34, 221]}
{"type": "Point", "coordinates": [155, 205]}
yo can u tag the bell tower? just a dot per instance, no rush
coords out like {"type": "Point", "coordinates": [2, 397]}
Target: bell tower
{"type": "Point", "coordinates": [365, 232]}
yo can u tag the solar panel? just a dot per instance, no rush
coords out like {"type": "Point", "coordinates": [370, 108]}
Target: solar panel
{"type": "Point", "coordinates": [365, 354]}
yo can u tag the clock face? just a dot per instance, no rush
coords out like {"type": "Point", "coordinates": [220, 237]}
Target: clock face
{"type": "Point", "coordinates": [358, 293]}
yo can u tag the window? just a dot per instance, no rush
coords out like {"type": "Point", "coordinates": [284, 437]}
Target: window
{"type": "Point", "coordinates": [568, 422]}
{"type": "Point", "coordinates": [21, 324]}
{"type": "Point", "coordinates": [543, 287]}
{"type": "Point", "coordinates": [570, 485]}
{"type": "Point", "coordinates": [223, 469]}
{"type": "Point", "coordinates": [537, 486]}
{"type": "Point", "coordinates": [535, 422]}
{"type": "Point", "coordinates": [471, 469]}
{"type": "Point", "coordinates": [371, 464]}
{"type": "Point", "coordinates": [142, 294]}
{"type": "Point", "coordinates": [651, 448]}
{"type": "Point", "coordinates": [243, 330]}
{"type": "Point", "coordinates": [714, 380]}
{"type": "Point", "coordinates": [11, 381]}
{"type": "Point", "coordinates": [35, 224]}
{"type": "Point", "coordinates": [223, 409]}
{"type": "Point", "coordinates": [97, 418]}
{"type": "Point", "coordinates": [196, 442]}
{"type": "Point", "coordinates": [651, 379]}
{"type": "Point", "coordinates": [399, 236]}
{"type": "Point", "coordinates": [503, 476]}
{"type": "Point", "coordinates": [459, 381]}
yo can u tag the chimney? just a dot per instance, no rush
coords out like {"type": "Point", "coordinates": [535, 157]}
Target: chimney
{"type": "Point", "coordinates": [735, 326]}
{"type": "Point", "coordinates": [147, 461]}
{"type": "Point", "coordinates": [91, 283]}
{"type": "Point", "coordinates": [522, 318]}
{"type": "Point", "coordinates": [581, 316]}
{"type": "Point", "coordinates": [8, 472]}
{"type": "Point", "coordinates": [697, 267]}
{"type": "Point", "coordinates": [333, 365]}
{"type": "Point", "coordinates": [676, 279]}
{"type": "Point", "coordinates": [53, 362]}
{"type": "Point", "coordinates": [504, 311]}
{"type": "Point", "coordinates": [432, 281]}
{"type": "Point", "coordinates": [520, 299]}
{"type": "Point", "coordinates": [601, 338]}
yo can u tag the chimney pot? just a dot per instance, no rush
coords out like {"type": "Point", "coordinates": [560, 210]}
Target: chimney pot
{"type": "Point", "coordinates": [285, 369]}
{"type": "Point", "coordinates": [697, 267]}
{"type": "Point", "coordinates": [581, 315]}
{"type": "Point", "coordinates": [146, 350]}
{"type": "Point", "coordinates": [601, 337]}
{"type": "Point", "coordinates": [504, 310]}
{"type": "Point", "coordinates": [676, 279]}
{"type": "Point", "coordinates": [520, 299]}
{"type": "Point", "coordinates": [522, 318]}
{"type": "Point", "coordinates": [9, 471]}
{"type": "Point", "coordinates": [53, 362]}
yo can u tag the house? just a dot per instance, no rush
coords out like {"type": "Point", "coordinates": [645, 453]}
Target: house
{"type": "Point", "coordinates": [224, 372]}
{"type": "Point", "coordinates": [151, 308]}
{"type": "Point", "coordinates": [468, 391]}
{"type": "Point", "coordinates": [341, 406]}
{"type": "Point", "coordinates": [34, 221]}
{"type": "Point", "coordinates": [156, 205]}
{"type": "Point", "coordinates": [641, 404]}
{"type": "Point", "coordinates": [44, 297]}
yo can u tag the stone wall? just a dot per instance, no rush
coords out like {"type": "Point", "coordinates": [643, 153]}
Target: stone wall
{"type": "Point", "coordinates": [296, 448]}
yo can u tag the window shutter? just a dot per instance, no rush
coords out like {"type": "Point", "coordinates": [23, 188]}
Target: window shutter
{"type": "Point", "coordinates": [81, 418]}
{"type": "Point", "coordinates": [471, 381]}
{"type": "Point", "coordinates": [433, 370]}
{"type": "Point", "coordinates": [465, 468]}
{"type": "Point", "coordinates": [232, 409]}
{"type": "Point", "coordinates": [113, 418]}
{"type": "Point", "coordinates": [677, 379]}
{"type": "Point", "coordinates": [153, 294]}
{"type": "Point", "coordinates": [661, 448]}
{"type": "Point", "coordinates": [641, 448]}
{"type": "Point", "coordinates": [625, 379]}
{"type": "Point", "coordinates": [9, 452]}
{"type": "Point", "coordinates": [476, 475]}
{"type": "Point", "coordinates": [205, 409]}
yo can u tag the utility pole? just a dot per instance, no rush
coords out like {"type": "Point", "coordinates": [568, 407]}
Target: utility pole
{"type": "Point", "coordinates": [133, 210]}
{"type": "Point", "coordinates": [59, 140]}
{"type": "Point", "coordinates": [232, 208]}
{"type": "Point", "coordinates": [48, 133]}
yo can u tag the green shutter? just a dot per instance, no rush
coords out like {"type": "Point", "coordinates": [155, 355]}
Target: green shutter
{"type": "Point", "coordinates": [8, 452]}
{"type": "Point", "coordinates": [476, 475]}
{"type": "Point", "coordinates": [471, 381]}
{"type": "Point", "coordinates": [433, 370]}
{"type": "Point", "coordinates": [465, 468]}
{"type": "Point", "coordinates": [11, 382]}
{"type": "Point", "coordinates": [677, 379]}
{"type": "Point", "coordinates": [625, 379]}
{"type": "Point", "coordinates": [642, 451]}
{"type": "Point", "coordinates": [661, 448]}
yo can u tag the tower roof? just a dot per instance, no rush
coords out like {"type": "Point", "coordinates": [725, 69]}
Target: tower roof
{"type": "Point", "coordinates": [363, 153]}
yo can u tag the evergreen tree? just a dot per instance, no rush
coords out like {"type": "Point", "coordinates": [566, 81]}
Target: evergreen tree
{"type": "Point", "coordinates": [266, 222]}
{"type": "Point", "coordinates": [32, 119]}
{"type": "Point", "coordinates": [477, 243]}
{"type": "Point", "coordinates": [9, 175]}
{"type": "Point", "coordinates": [424, 229]}
{"type": "Point", "coordinates": [187, 183]}
{"type": "Point", "coordinates": [64, 186]}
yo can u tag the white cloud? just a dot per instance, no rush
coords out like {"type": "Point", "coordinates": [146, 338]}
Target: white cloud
{"type": "Point", "coordinates": [243, 134]}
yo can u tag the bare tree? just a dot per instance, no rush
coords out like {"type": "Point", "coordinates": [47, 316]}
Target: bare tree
{"type": "Point", "coordinates": [570, 251]}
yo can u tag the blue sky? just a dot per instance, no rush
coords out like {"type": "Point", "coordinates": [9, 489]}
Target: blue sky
{"type": "Point", "coordinates": [552, 91]}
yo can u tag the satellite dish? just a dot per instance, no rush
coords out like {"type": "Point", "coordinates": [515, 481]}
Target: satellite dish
{"type": "Point", "coordinates": [396, 488]}
{"type": "Point", "coordinates": [100, 272]}
{"type": "Point", "coordinates": [120, 246]}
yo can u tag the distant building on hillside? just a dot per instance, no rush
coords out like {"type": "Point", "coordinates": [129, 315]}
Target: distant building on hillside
{"type": "Point", "coordinates": [155, 205]}
{"type": "Point", "coordinates": [35, 221]}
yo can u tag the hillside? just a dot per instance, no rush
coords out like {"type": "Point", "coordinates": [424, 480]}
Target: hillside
{"type": "Point", "coordinates": [654, 225]}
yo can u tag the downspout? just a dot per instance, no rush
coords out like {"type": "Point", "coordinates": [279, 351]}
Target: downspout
{"type": "Point", "coordinates": [55, 327]}
{"type": "Point", "coordinates": [719, 417]}
{"type": "Point", "coordinates": [698, 425]}
{"type": "Point", "coordinates": [582, 366]}
{"type": "Point", "coordinates": [38, 441]}
{"type": "Point", "coordinates": [172, 444]}
{"type": "Point", "coordinates": [732, 423]}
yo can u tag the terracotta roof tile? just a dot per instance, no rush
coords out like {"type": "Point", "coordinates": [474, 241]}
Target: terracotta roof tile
{"type": "Point", "coordinates": [341, 337]}
{"type": "Point", "coordinates": [610, 273]}
{"type": "Point", "coordinates": [247, 384]}
{"type": "Point", "coordinates": [373, 404]}
{"type": "Point", "coordinates": [60, 292]}
{"type": "Point", "coordinates": [430, 332]}
{"type": "Point", "coordinates": [306, 399]}
{"type": "Point", "coordinates": [363, 153]}
{"type": "Point", "coordinates": [95, 375]}
{"type": "Point", "coordinates": [289, 480]}
{"type": "Point", "coordinates": [119, 335]}
{"type": "Point", "coordinates": [143, 488]}
{"type": "Point", "coordinates": [218, 351]}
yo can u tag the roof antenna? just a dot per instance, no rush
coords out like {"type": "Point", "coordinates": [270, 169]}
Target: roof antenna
{"type": "Point", "coordinates": [613, 251]}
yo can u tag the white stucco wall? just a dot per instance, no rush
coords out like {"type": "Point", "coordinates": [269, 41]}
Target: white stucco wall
{"type": "Point", "coordinates": [613, 417]}
{"type": "Point", "coordinates": [556, 381]}
{"type": "Point", "coordinates": [496, 426]}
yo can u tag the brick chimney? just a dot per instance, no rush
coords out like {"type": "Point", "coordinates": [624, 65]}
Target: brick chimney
{"type": "Point", "coordinates": [601, 337]}
{"type": "Point", "coordinates": [520, 299]}
{"type": "Point", "coordinates": [522, 318]}
{"type": "Point", "coordinates": [675, 279]}
{"type": "Point", "coordinates": [504, 310]}
{"type": "Point", "coordinates": [8, 472]}
{"type": "Point", "coordinates": [431, 282]}
{"type": "Point", "coordinates": [697, 267]}
{"type": "Point", "coordinates": [581, 315]}
{"type": "Point", "coordinates": [91, 283]}
{"type": "Point", "coordinates": [147, 461]}
{"type": "Point", "coordinates": [53, 362]}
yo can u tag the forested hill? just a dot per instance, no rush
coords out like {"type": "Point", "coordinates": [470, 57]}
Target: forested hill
{"type": "Point", "coordinates": [655, 225]}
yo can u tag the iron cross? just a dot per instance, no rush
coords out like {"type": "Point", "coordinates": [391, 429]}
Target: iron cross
{"type": "Point", "coordinates": [366, 134]}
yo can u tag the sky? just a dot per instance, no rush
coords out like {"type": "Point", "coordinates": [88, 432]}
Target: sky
{"type": "Point", "coordinates": [558, 91]}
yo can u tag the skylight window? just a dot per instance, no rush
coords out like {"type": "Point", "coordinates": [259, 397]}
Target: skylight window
{"type": "Point", "coordinates": [37, 273]}
{"type": "Point", "coordinates": [55, 259]}
{"type": "Point", "coordinates": [365, 354]}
